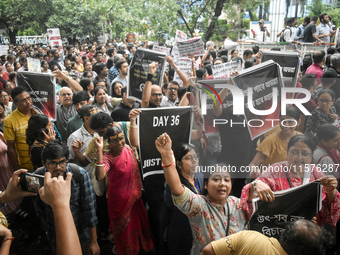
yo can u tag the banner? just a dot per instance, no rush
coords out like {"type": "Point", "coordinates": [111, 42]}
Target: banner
{"type": "Point", "coordinates": [4, 49]}
{"type": "Point", "coordinates": [185, 65]}
{"type": "Point", "coordinates": [193, 46]}
{"type": "Point", "coordinates": [175, 121]}
{"type": "Point", "coordinates": [290, 65]}
{"type": "Point", "coordinates": [222, 71]}
{"type": "Point", "coordinates": [139, 69]}
{"type": "Point", "coordinates": [263, 80]}
{"type": "Point", "coordinates": [54, 38]}
{"type": "Point", "coordinates": [131, 37]}
{"type": "Point", "coordinates": [180, 36]}
{"type": "Point", "coordinates": [161, 49]}
{"type": "Point", "coordinates": [33, 65]}
{"type": "Point", "coordinates": [41, 87]}
{"type": "Point", "coordinates": [302, 202]}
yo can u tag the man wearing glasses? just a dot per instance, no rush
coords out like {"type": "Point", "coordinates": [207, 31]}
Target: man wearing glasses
{"type": "Point", "coordinates": [171, 98]}
{"type": "Point", "coordinates": [64, 111]}
{"type": "Point", "coordinates": [15, 126]}
{"type": "Point", "coordinates": [82, 202]}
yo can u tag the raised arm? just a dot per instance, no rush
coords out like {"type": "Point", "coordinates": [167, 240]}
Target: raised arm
{"type": "Point", "coordinates": [100, 171]}
{"type": "Point", "coordinates": [81, 159]}
{"type": "Point", "coordinates": [180, 73]}
{"type": "Point", "coordinates": [163, 145]}
{"type": "Point", "coordinates": [133, 127]}
{"type": "Point", "coordinates": [57, 192]}
{"type": "Point", "coordinates": [147, 87]}
{"type": "Point", "coordinates": [70, 82]}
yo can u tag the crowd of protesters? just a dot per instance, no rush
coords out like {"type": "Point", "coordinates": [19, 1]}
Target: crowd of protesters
{"type": "Point", "coordinates": [95, 138]}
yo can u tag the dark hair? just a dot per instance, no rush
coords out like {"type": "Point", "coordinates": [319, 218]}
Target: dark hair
{"type": "Point", "coordinates": [111, 131]}
{"type": "Point", "coordinates": [290, 21]}
{"type": "Point", "coordinates": [326, 132]}
{"type": "Point", "coordinates": [302, 138]}
{"type": "Point", "coordinates": [223, 52]}
{"type": "Point", "coordinates": [123, 90]}
{"type": "Point", "coordinates": [307, 20]}
{"type": "Point", "coordinates": [247, 53]}
{"type": "Point", "coordinates": [36, 124]}
{"type": "Point", "coordinates": [98, 52]}
{"type": "Point", "coordinates": [4, 91]}
{"type": "Point", "coordinates": [181, 151]}
{"type": "Point", "coordinates": [212, 53]}
{"type": "Point", "coordinates": [86, 110]}
{"type": "Point", "coordinates": [54, 150]}
{"type": "Point", "coordinates": [308, 240]}
{"type": "Point", "coordinates": [200, 72]}
{"type": "Point", "coordinates": [17, 91]}
{"type": "Point", "coordinates": [175, 83]}
{"type": "Point", "coordinates": [80, 96]}
{"type": "Point", "coordinates": [319, 56]}
{"type": "Point", "coordinates": [328, 77]}
{"type": "Point", "coordinates": [315, 18]}
{"type": "Point", "coordinates": [84, 83]}
{"type": "Point", "coordinates": [322, 17]}
{"type": "Point", "coordinates": [255, 49]}
{"type": "Point", "coordinates": [248, 63]}
{"type": "Point", "coordinates": [98, 67]}
{"type": "Point", "coordinates": [100, 120]}
{"type": "Point", "coordinates": [113, 90]}
{"type": "Point", "coordinates": [95, 91]}
{"type": "Point", "coordinates": [225, 58]}
{"type": "Point", "coordinates": [293, 112]}
{"type": "Point", "coordinates": [109, 63]}
{"type": "Point", "coordinates": [323, 91]}
{"type": "Point", "coordinates": [307, 61]}
{"type": "Point", "coordinates": [307, 81]}
{"type": "Point", "coordinates": [120, 63]}
{"type": "Point", "coordinates": [233, 50]}
{"type": "Point", "coordinates": [218, 59]}
{"type": "Point", "coordinates": [331, 50]}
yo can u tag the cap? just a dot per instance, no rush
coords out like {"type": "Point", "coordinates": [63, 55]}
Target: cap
{"type": "Point", "coordinates": [261, 21]}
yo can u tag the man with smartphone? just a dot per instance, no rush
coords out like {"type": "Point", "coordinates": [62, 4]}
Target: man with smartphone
{"type": "Point", "coordinates": [82, 203]}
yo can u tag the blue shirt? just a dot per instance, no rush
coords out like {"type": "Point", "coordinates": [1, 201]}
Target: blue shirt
{"type": "Point", "coordinates": [113, 73]}
{"type": "Point", "coordinates": [82, 204]}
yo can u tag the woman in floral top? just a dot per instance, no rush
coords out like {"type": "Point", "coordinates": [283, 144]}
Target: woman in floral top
{"type": "Point", "coordinates": [211, 217]}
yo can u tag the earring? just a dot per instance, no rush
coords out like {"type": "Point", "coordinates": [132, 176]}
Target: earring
{"type": "Point", "coordinates": [110, 147]}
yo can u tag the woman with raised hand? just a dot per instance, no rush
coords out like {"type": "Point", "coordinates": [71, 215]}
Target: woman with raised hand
{"type": "Point", "coordinates": [211, 217]}
{"type": "Point", "coordinates": [129, 221]}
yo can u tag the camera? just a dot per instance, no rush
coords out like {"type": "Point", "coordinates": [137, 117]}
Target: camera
{"type": "Point", "coordinates": [31, 182]}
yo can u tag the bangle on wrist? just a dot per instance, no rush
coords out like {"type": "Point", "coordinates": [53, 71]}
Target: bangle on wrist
{"type": "Point", "coordinates": [9, 238]}
{"type": "Point", "coordinates": [150, 77]}
{"type": "Point", "coordinates": [170, 164]}
{"type": "Point", "coordinates": [253, 183]}
{"type": "Point", "coordinates": [99, 164]}
{"type": "Point", "coordinates": [135, 126]}
{"type": "Point", "coordinates": [177, 69]}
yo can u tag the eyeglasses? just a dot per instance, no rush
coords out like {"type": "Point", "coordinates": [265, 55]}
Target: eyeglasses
{"type": "Point", "coordinates": [66, 94]}
{"type": "Point", "coordinates": [4, 96]}
{"type": "Point", "coordinates": [156, 94]}
{"type": "Point", "coordinates": [53, 165]}
{"type": "Point", "coordinates": [304, 154]}
{"type": "Point", "coordinates": [327, 101]}
{"type": "Point", "coordinates": [191, 158]}
{"type": "Point", "coordinates": [174, 89]}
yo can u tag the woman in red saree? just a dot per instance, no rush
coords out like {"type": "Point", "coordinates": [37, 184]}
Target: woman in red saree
{"type": "Point", "coordinates": [128, 219]}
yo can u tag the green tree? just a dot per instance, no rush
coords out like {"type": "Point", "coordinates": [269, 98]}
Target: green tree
{"type": "Point", "coordinates": [24, 14]}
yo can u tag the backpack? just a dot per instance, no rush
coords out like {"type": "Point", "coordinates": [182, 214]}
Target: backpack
{"type": "Point", "coordinates": [76, 175]}
{"type": "Point", "coordinates": [282, 39]}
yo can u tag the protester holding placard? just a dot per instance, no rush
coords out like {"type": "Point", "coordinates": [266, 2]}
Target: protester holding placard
{"type": "Point", "coordinates": [295, 171]}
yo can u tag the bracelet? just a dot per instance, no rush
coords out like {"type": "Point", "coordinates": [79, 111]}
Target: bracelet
{"type": "Point", "coordinates": [67, 80]}
{"type": "Point", "coordinates": [253, 183]}
{"type": "Point", "coordinates": [177, 69]}
{"type": "Point", "coordinates": [171, 164]}
{"type": "Point", "coordinates": [99, 164]}
{"type": "Point", "coordinates": [9, 238]}
{"type": "Point", "coordinates": [135, 126]}
{"type": "Point", "coordinates": [150, 77]}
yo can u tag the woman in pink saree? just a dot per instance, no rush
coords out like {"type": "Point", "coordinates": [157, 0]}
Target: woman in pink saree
{"type": "Point", "coordinates": [128, 219]}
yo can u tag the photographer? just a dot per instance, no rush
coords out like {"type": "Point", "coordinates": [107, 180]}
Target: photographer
{"type": "Point", "coordinates": [261, 34]}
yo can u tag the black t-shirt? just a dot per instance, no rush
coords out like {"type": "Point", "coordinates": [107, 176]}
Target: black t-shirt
{"type": "Point", "coordinates": [121, 112]}
{"type": "Point", "coordinates": [308, 33]}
